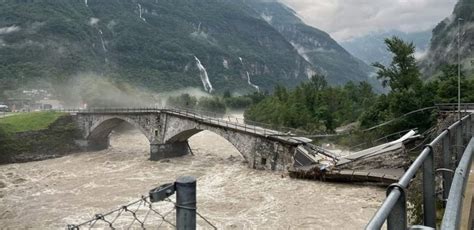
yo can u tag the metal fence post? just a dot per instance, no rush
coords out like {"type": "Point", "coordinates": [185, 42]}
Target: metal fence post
{"type": "Point", "coordinates": [186, 203]}
{"type": "Point", "coordinates": [459, 142]}
{"type": "Point", "coordinates": [467, 130]}
{"type": "Point", "coordinates": [397, 219]}
{"type": "Point", "coordinates": [429, 196]}
{"type": "Point", "coordinates": [471, 131]}
{"type": "Point", "coordinates": [447, 176]}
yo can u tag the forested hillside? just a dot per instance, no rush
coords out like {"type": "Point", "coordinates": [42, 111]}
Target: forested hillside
{"type": "Point", "coordinates": [156, 44]}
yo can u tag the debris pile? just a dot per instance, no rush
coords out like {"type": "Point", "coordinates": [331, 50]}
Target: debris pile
{"type": "Point", "coordinates": [380, 164]}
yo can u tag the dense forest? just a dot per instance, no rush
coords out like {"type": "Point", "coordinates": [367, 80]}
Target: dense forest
{"type": "Point", "coordinates": [319, 108]}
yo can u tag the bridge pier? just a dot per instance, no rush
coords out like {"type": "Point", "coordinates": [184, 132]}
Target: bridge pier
{"type": "Point", "coordinates": [93, 144]}
{"type": "Point", "coordinates": [169, 150]}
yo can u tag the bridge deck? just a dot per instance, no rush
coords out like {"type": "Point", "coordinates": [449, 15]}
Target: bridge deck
{"type": "Point", "coordinates": [256, 130]}
{"type": "Point", "coordinates": [287, 138]}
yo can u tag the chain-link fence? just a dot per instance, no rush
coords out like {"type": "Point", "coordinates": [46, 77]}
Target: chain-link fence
{"type": "Point", "coordinates": [160, 209]}
{"type": "Point", "coordinates": [141, 213]}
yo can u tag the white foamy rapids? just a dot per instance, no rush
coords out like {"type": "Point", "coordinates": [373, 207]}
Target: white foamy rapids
{"type": "Point", "coordinates": [241, 61]}
{"type": "Point", "coordinates": [140, 12]}
{"type": "Point", "coordinates": [204, 77]}
{"type": "Point", "coordinates": [251, 84]}
{"type": "Point", "coordinates": [52, 193]}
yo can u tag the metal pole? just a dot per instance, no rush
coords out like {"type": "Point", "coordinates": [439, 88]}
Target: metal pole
{"type": "Point", "coordinates": [459, 67]}
{"type": "Point", "coordinates": [471, 131]}
{"type": "Point", "coordinates": [397, 219]}
{"type": "Point", "coordinates": [429, 195]}
{"type": "Point", "coordinates": [447, 176]}
{"type": "Point", "coordinates": [186, 203]}
{"type": "Point", "coordinates": [459, 142]}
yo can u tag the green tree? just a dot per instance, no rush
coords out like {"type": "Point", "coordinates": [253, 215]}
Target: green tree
{"type": "Point", "coordinates": [402, 74]}
{"type": "Point", "coordinates": [447, 90]}
{"type": "Point", "coordinates": [408, 92]}
{"type": "Point", "coordinates": [183, 101]}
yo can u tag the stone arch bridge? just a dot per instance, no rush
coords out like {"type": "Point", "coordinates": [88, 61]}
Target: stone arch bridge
{"type": "Point", "coordinates": [168, 131]}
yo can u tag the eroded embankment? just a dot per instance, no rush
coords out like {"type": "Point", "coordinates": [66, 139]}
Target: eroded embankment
{"type": "Point", "coordinates": [54, 141]}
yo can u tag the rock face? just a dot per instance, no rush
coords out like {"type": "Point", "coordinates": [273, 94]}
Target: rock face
{"type": "Point", "coordinates": [152, 43]}
{"type": "Point", "coordinates": [443, 48]}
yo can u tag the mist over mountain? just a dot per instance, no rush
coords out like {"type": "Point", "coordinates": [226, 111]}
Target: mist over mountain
{"type": "Point", "coordinates": [444, 45]}
{"type": "Point", "coordinates": [372, 48]}
{"type": "Point", "coordinates": [220, 45]}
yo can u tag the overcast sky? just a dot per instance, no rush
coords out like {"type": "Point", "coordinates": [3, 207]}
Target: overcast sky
{"type": "Point", "coordinates": [346, 19]}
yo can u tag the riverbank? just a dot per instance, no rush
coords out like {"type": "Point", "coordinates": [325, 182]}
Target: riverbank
{"type": "Point", "coordinates": [36, 136]}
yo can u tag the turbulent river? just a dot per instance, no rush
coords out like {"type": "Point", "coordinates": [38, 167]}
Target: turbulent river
{"type": "Point", "coordinates": [68, 190]}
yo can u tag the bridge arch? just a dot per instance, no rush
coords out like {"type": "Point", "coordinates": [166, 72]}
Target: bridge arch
{"type": "Point", "coordinates": [258, 151]}
{"type": "Point", "coordinates": [100, 129]}
{"type": "Point", "coordinates": [168, 132]}
{"type": "Point", "coordinates": [184, 135]}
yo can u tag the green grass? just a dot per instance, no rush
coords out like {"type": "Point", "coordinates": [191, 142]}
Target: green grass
{"type": "Point", "coordinates": [29, 121]}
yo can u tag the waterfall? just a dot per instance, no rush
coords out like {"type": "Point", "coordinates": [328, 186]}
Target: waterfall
{"type": "Point", "coordinates": [85, 1]}
{"type": "Point", "coordinates": [102, 41]}
{"type": "Point", "coordinates": [251, 84]}
{"type": "Point", "coordinates": [204, 77]}
{"type": "Point", "coordinates": [248, 77]}
{"type": "Point", "coordinates": [140, 12]}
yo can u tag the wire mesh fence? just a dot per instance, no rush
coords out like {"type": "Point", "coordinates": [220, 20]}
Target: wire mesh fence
{"type": "Point", "coordinates": [139, 214]}
{"type": "Point", "coordinates": [161, 209]}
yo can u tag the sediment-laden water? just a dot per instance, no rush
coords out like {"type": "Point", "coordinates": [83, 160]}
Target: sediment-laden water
{"type": "Point", "coordinates": [68, 190]}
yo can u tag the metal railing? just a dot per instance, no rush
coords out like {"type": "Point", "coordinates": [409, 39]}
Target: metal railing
{"type": "Point", "coordinates": [454, 106]}
{"type": "Point", "coordinates": [257, 130]}
{"type": "Point", "coordinates": [394, 208]}
{"type": "Point", "coordinates": [453, 211]}
{"type": "Point", "coordinates": [210, 118]}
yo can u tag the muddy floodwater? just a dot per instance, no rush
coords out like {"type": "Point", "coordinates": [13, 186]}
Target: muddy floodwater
{"type": "Point", "coordinates": [53, 193]}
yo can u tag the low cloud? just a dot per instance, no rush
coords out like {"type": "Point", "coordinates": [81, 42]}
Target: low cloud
{"type": "Point", "coordinates": [347, 19]}
{"type": "Point", "coordinates": [100, 91]}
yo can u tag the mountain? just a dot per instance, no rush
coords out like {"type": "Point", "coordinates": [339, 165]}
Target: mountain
{"type": "Point", "coordinates": [372, 48]}
{"type": "Point", "coordinates": [314, 45]}
{"type": "Point", "coordinates": [443, 49]}
{"type": "Point", "coordinates": [163, 45]}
